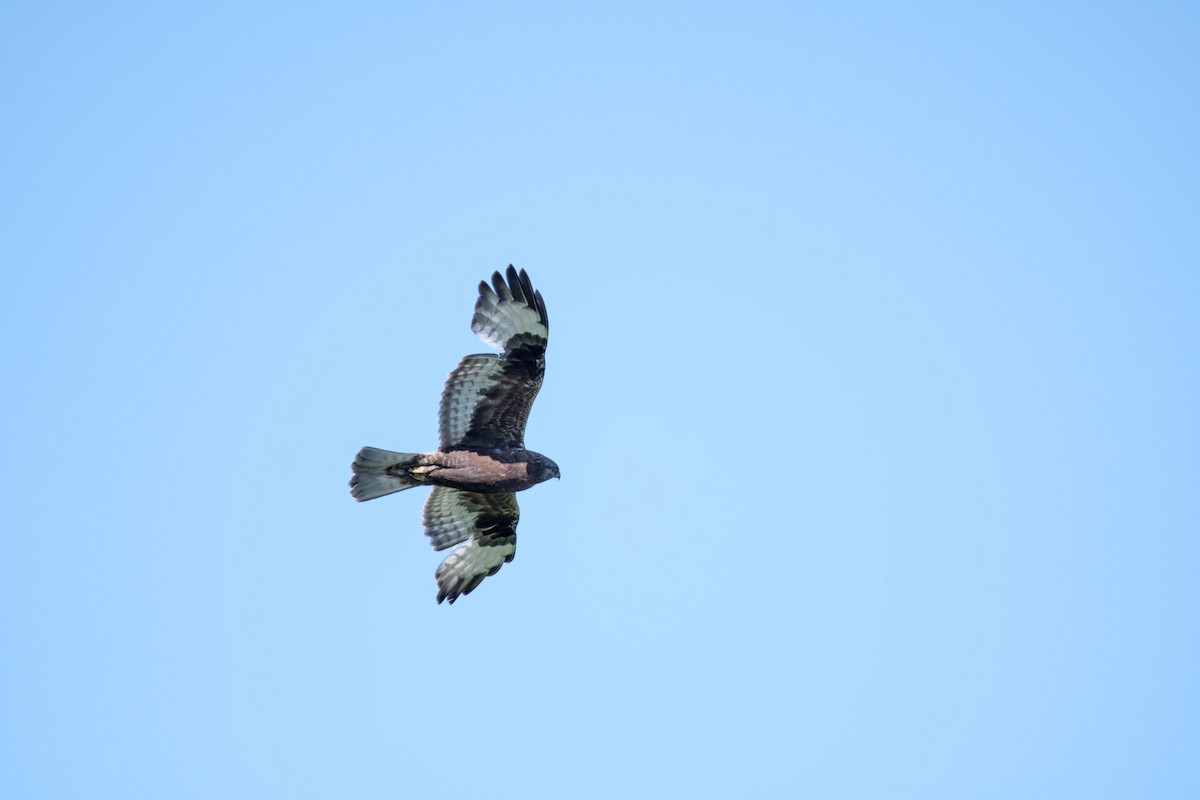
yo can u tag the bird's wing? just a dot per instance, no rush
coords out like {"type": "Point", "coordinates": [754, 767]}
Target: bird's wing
{"type": "Point", "coordinates": [487, 397]}
{"type": "Point", "coordinates": [484, 526]}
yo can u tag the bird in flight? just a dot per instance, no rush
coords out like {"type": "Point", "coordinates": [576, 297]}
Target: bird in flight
{"type": "Point", "coordinates": [481, 460]}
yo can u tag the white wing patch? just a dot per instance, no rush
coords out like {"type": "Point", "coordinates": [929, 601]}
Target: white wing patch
{"type": "Point", "coordinates": [467, 566]}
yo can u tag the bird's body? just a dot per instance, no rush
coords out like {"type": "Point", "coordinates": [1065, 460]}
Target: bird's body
{"type": "Point", "coordinates": [481, 458]}
{"type": "Point", "coordinates": [497, 470]}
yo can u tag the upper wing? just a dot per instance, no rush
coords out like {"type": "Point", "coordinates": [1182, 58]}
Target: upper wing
{"type": "Point", "coordinates": [487, 397]}
{"type": "Point", "coordinates": [487, 523]}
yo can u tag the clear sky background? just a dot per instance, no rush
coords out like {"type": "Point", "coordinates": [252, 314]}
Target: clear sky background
{"type": "Point", "coordinates": [873, 377]}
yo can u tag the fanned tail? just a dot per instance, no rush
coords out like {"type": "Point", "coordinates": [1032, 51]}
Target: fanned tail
{"type": "Point", "coordinates": [379, 472]}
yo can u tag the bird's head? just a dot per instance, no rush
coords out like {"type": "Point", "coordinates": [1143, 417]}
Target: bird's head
{"type": "Point", "coordinates": [541, 468]}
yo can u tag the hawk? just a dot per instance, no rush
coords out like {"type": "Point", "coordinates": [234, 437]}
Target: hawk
{"type": "Point", "coordinates": [481, 460]}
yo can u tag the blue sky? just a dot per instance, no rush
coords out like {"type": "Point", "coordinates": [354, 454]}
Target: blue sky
{"type": "Point", "coordinates": [873, 378]}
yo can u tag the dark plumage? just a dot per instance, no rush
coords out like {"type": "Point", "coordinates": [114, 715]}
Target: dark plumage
{"type": "Point", "coordinates": [481, 458]}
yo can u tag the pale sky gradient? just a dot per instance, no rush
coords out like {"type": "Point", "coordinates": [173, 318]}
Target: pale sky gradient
{"type": "Point", "coordinates": [873, 377]}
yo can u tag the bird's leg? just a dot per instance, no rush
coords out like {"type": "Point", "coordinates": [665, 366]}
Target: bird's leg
{"type": "Point", "coordinates": [422, 472]}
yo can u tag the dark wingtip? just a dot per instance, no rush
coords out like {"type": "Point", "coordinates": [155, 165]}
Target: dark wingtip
{"type": "Point", "coordinates": [521, 279]}
{"type": "Point", "coordinates": [540, 304]}
{"type": "Point", "coordinates": [520, 282]}
{"type": "Point", "coordinates": [521, 285]}
{"type": "Point", "coordinates": [501, 287]}
{"type": "Point", "coordinates": [514, 285]}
